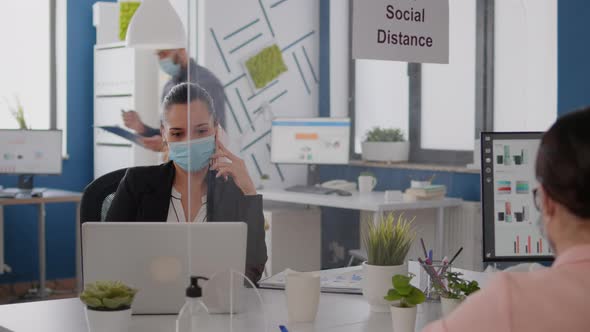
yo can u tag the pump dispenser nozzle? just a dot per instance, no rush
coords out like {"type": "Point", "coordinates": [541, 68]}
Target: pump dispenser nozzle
{"type": "Point", "coordinates": [194, 290]}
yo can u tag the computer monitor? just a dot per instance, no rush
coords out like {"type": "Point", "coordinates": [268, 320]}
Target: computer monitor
{"type": "Point", "coordinates": [30, 152]}
{"type": "Point", "coordinates": [317, 141]}
{"type": "Point", "coordinates": [510, 219]}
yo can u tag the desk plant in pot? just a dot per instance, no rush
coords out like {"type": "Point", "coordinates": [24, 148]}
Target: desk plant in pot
{"type": "Point", "coordinates": [108, 306]}
{"type": "Point", "coordinates": [385, 144]}
{"type": "Point", "coordinates": [405, 298]}
{"type": "Point", "coordinates": [458, 290]}
{"type": "Point", "coordinates": [387, 244]}
{"type": "Point", "coordinates": [17, 112]}
{"type": "Point", "coordinates": [265, 182]}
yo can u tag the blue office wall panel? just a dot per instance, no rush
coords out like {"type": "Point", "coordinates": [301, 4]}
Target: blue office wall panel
{"type": "Point", "coordinates": [20, 233]}
{"type": "Point", "coordinates": [573, 50]}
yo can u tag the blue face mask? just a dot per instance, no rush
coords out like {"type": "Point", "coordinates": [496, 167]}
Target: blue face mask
{"type": "Point", "coordinates": [201, 150]}
{"type": "Point", "coordinates": [169, 67]}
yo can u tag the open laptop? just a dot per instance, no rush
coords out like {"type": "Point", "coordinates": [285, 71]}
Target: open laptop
{"type": "Point", "coordinates": [154, 257]}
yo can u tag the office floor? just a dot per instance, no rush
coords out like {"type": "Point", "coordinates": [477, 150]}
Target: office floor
{"type": "Point", "coordinates": [19, 292]}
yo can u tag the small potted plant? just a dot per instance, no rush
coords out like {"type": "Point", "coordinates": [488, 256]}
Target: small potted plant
{"type": "Point", "coordinates": [264, 181]}
{"type": "Point", "coordinates": [387, 244]}
{"type": "Point", "coordinates": [406, 298]}
{"type": "Point", "coordinates": [457, 290]}
{"type": "Point", "coordinates": [385, 144]}
{"type": "Point", "coordinates": [18, 112]}
{"type": "Point", "coordinates": [108, 306]}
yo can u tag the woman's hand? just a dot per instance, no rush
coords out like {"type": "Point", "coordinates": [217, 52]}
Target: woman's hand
{"type": "Point", "coordinates": [132, 121]}
{"type": "Point", "coordinates": [236, 168]}
{"type": "Point", "coordinates": [154, 143]}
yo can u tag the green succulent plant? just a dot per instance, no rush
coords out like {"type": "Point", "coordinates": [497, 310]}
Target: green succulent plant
{"type": "Point", "coordinates": [378, 134]}
{"type": "Point", "coordinates": [389, 241]}
{"type": "Point", "coordinates": [108, 296]}
{"type": "Point", "coordinates": [402, 291]}
{"type": "Point", "coordinates": [459, 288]}
{"type": "Point", "coordinates": [367, 173]}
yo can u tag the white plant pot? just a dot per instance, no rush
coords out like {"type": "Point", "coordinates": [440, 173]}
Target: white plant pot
{"type": "Point", "coordinates": [386, 151]}
{"type": "Point", "coordinates": [449, 305]}
{"type": "Point", "coordinates": [265, 184]}
{"type": "Point", "coordinates": [108, 321]}
{"type": "Point", "coordinates": [376, 283]}
{"type": "Point", "coordinates": [403, 319]}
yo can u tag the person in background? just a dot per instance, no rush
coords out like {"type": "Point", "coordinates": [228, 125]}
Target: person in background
{"type": "Point", "coordinates": [175, 63]}
{"type": "Point", "coordinates": [558, 298]}
{"type": "Point", "coordinates": [219, 191]}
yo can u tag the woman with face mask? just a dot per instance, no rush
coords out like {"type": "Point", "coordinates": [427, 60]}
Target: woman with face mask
{"type": "Point", "coordinates": [180, 67]}
{"type": "Point", "coordinates": [214, 179]}
{"type": "Point", "coordinates": [557, 298]}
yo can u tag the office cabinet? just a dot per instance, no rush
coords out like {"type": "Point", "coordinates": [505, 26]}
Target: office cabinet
{"type": "Point", "coordinates": [124, 79]}
{"type": "Point", "coordinates": [293, 238]}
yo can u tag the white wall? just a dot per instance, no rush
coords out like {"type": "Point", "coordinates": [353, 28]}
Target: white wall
{"type": "Point", "coordinates": [291, 22]}
{"type": "Point", "coordinates": [448, 91]}
{"type": "Point", "coordinates": [525, 84]}
{"type": "Point", "coordinates": [24, 62]}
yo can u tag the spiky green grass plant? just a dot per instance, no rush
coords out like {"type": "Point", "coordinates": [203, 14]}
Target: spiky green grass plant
{"type": "Point", "coordinates": [389, 241]}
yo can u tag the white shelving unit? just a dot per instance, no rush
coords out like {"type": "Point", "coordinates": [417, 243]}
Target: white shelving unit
{"type": "Point", "coordinates": [124, 79]}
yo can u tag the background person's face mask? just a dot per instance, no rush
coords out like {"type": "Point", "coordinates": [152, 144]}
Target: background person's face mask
{"type": "Point", "coordinates": [201, 150]}
{"type": "Point", "coordinates": [169, 67]}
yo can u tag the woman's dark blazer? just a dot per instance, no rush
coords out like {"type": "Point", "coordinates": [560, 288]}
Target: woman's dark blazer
{"type": "Point", "coordinates": [144, 195]}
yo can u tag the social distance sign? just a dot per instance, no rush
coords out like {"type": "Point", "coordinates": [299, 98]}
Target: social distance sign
{"type": "Point", "coordinates": [401, 30]}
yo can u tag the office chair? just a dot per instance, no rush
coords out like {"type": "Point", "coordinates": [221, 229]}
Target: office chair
{"type": "Point", "coordinates": [98, 196]}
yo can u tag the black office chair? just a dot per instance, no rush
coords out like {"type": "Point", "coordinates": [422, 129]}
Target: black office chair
{"type": "Point", "coordinates": [98, 196]}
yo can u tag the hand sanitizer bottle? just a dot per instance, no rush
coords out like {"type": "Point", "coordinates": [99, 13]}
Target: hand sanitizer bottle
{"type": "Point", "coordinates": [194, 310]}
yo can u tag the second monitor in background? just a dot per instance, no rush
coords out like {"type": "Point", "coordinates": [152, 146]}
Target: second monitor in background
{"type": "Point", "coordinates": [30, 152]}
{"type": "Point", "coordinates": [311, 141]}
{"type": "Point", "coordinates": [316, 141]}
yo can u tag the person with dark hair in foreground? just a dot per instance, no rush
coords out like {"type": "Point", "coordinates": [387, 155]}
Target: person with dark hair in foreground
{"type": "Point", "coordinates": [219, 190]}
{"type": "Point", "coordinates": [558, 298]}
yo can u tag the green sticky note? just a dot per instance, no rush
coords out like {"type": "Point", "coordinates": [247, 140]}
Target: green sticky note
{"type": "Point", "coordinates": [266, 66]}
{"type": "Point", "coordinates": [126, 11]}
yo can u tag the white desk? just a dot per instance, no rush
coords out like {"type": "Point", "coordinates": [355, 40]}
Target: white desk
{"type": "Point", "coordinates": [336, 313]}
{"type": "Point", "coordinates": [49, 196]}
{"type": "Point", "coordinates": [371, 202]}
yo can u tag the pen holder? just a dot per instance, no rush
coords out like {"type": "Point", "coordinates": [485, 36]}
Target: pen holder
{"type": "Point", "coordinates": [432, 279]}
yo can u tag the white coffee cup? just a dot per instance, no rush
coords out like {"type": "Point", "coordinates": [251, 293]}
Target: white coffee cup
{"type": "Point", "coordinates": [367, 183]}
{"type": "Point", "coordinates": [303, 296]}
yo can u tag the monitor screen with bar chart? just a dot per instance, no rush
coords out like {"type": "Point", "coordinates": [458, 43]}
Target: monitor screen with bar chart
{"type": "Point", "coordinates": [510, 220]}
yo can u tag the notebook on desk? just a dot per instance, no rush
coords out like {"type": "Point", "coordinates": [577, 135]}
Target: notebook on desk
{"type": "Point", "coordinates": [343, 281]}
